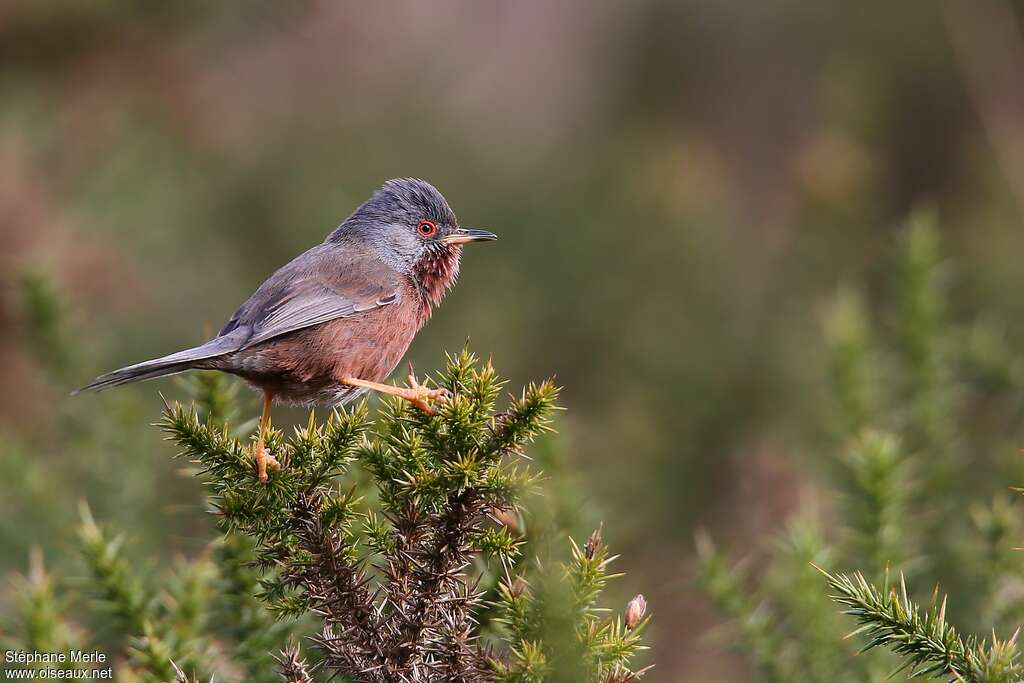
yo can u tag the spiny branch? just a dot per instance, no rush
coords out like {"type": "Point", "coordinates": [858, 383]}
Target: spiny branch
{"type": "Point", "coordinates": [928, 644]}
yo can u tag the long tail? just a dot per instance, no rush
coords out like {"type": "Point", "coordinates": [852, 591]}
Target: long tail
{"type": "Point", "coordinates": [161, 367]}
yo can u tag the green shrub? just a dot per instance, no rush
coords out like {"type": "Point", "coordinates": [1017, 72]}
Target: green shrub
{"type": "Point", "coordinates": [926, 409]}
{"type": "Point", "coordinates": [395, 549]}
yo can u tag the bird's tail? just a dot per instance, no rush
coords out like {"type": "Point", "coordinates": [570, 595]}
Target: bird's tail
{"type": "Point", "coordinates": [161, 367]}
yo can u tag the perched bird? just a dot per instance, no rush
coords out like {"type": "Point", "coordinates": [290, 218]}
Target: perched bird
{"type": "Point", "coordinates": [335, 321]}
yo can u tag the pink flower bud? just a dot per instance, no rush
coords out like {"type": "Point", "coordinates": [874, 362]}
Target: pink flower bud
{"type": "Point", "coordinates": [507, 518]}
{"type": "Point", "coordinates": [635, 610]}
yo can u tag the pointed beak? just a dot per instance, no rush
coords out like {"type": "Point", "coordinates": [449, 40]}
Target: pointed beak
{"type": "Point", "coordinates": [464, 235]}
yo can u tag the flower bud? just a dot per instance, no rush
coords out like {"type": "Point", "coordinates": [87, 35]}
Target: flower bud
{"type": "Point", "coordinates": [507, 518]}
{"type": "Point", "coordinates": [593, 543]}
{"type": "Point", "coordinates": [635, 610]}
{"type": "Point", "coordinates": [518, 587]}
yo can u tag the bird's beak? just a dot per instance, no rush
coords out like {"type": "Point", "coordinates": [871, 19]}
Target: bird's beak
{"type": "Point", "coordinates": [463, 235]}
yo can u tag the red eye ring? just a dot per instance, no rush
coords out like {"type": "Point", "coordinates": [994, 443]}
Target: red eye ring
{"type": "Point", "coordinates": [426, 228]}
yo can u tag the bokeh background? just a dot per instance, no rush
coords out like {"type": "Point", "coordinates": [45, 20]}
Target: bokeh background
{"type": "Point", "coordinates": [679, 187]}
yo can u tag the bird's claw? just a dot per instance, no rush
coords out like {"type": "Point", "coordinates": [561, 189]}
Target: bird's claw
{"type": "Point", "coordinates": [264, 461]}
{"type": "Point", "coordinates": [421, 396]}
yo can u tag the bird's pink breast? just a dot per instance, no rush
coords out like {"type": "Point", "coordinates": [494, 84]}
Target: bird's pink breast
{"type": "Point", "coordinates": [307, 366]}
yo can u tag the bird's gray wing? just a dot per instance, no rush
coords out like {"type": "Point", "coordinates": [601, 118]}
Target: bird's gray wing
{"type": "Point", "coordinates": [324, 284]}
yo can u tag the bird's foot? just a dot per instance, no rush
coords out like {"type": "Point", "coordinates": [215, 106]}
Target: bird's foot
{"type": "Point", "coordinates": [421, 396]}
{"type": "Point", "coordinates": [417, 394]}
{"type": "Point", "coordinates": [265, 460]}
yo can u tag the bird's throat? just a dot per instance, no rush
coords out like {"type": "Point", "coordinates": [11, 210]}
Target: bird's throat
{"type": "Point", "coordinates": [435, 274]}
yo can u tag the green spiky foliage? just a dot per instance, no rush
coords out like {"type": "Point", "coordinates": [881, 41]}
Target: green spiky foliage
{"type": "Point", "coordinates": [928, 645]}
{"type": "Point", "coordinates": [395, 563]}
{"type": "Point", "coordinates": [150, 621]}
{"type": "Point", "coordinates": [925, 408]}
{"type": "Point", "coordinates": [39, 608]}
{"type": "Point", "coordinates": [146, 618]}
{"type": "Point", "coordinates": [76, 447]}
{"type": "Point", "coordinates": [257, 635]}
{"type": "Point", "coordinates": [139, 621]}
{"type": "Point", "coordinates": [589, 644]}
{"type": "Point", "coordinates": [386, 548]}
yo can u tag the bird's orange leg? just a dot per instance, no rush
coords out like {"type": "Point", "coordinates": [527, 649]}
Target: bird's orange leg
{"type": "Point", "coordinates": [416, 394]}
{"type": "Point", "coordinates": [263, 456]}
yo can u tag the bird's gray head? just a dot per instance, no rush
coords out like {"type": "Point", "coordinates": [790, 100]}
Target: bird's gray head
{"type": "Point", "coordinates": [408, 224]}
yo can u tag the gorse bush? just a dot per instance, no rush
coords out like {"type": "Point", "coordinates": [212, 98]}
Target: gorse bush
{"type": "Point", "coordinates": [387, 550]}
{"type": "Point", "coordinates": [928, 425]}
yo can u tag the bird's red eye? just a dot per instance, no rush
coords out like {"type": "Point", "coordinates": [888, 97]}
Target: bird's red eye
{"type": "Point", "coordinates": [426, 228]}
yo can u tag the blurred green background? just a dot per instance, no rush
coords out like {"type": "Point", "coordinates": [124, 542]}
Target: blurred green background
{"type": "Point", "coordinates": [679, 187]}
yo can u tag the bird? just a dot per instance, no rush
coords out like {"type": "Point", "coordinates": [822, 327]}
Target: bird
{"type": "Point", "coordinates": [335, 321]}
